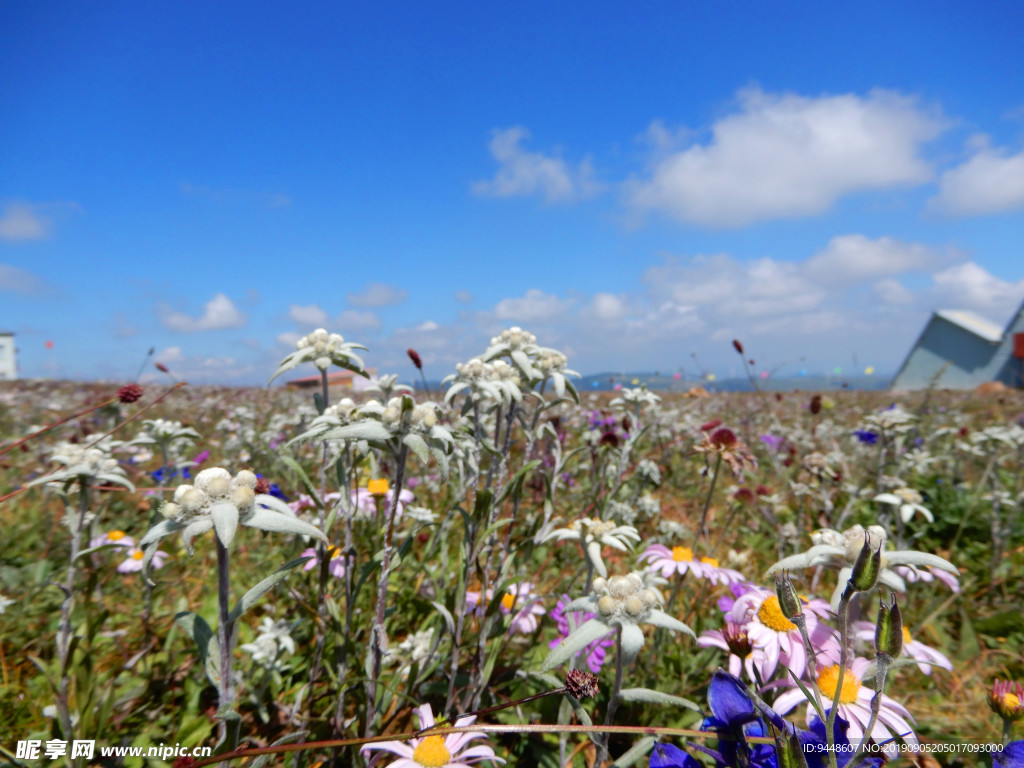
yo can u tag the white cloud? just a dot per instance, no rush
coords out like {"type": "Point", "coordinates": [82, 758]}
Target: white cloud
{"type": "Point", "coordinates": [18, 280]}
{"type": "Point", "coordinates": [377, 295]}
{"type": "Point", "coordinates": [310, 314]}
{"type": "Point", "coordinates": [856, 258]}
{"type": "Point", "coordinates": [288, 339]}
{"type": "Point", "coordinates": [531, 173]}
{"type": "Point", "coordinates": [463, 297]}
{"type": "Point", "coordinates": [991, 181]}
{"type": "Point", "coordinates": [607, 307]}
{"type": "Point", "coordinates": [218, 313]}
{"type": "Point", "coordinates": [354, 320]}
{"type": "Point", "coordinates": [534, 306]}
{"type": "Point", "coordinates": [892, 291]}
{"type": "Point", "coordinates": [788, 156]}
{"type": "Point", "coordinates": [20, 221]}
{"type": "Point", "coordinates": [971, 286]}
{"type": "Point", "coordinates": [427, 325]}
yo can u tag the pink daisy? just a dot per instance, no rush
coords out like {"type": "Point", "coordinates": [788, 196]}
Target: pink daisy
{"type": "Point", "coordinates": [135, 558]}
{"type": "Point", "coordinates": [854, 705]}
{"type": "Point", "coordinates": [436, 750]}
{"type": "Point", "coordinates": [336, 565]}
{"type": "Point", "coordinates": [670, 561]}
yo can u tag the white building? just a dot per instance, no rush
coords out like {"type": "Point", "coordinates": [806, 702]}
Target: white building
{"type": "Point", "coordinates": [8, 357]}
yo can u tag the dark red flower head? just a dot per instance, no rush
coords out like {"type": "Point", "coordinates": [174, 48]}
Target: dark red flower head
{"type": "Point", "coordinates": [816, 405]}
{"type": "Point", "coordinates": [737, 345]}
{"type": "Point", "coordinates": [415, 357]}
{"type": "Point", "coordinates": [162, 367]}
{"type": "Point", "coordinates": [724, 438]}
{"type": "Point", "coordinates": [744, 496]}
{"type": "Point", "coordinates": [262, 485]}
{"type": "Point", "coordinates": [710, 425]}
{"type": "Point", "coordinates": [129, 393]}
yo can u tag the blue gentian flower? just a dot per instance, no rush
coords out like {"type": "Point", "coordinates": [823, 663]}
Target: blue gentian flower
{"type": "Point", "coordinates": [736, 717]}
{"type": "Point", "coordinates": [1012, 756]}
{"type": "Point", "coordinates": [866, 436]}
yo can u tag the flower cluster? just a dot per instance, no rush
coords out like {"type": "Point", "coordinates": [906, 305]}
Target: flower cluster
{"type": "Point", "coordinates": [323, 349]}
{"type": "Point", "coordinates": [624, 602]}
{"type": "Point", "coordinates": [219, 501]}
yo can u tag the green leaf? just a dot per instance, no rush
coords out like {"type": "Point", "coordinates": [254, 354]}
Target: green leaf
{"type": "Point", "coordinates": [417, 445]}
{"type": "Point", "coordinates": [249, 598]}
{"type": "Point", "coordinates": [656, 697]}
{"type": "Point", "coordinates": [307, 483]}
{"type": "Point", "coordinates": [589, 632]}
{"type": "Point", "coordinates": [195, 626]}
{"type": "Point", "coordinates": [515, 483]}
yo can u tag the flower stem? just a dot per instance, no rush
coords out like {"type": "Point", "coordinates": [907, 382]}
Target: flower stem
{"type": "Point", "coordinates": [378, 634]}
{"type": "Point", "coordinates": [225, 688]}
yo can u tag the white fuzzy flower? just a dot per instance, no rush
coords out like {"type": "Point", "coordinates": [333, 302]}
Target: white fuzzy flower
{"type": "Point", "coordinates": [909, 502]}
{"type": "Point", "coordinates": [625, 602]}
{"type": "Point", "coordinates": [595, 534]}
{"type": "Point", "coordinates": [220, 502]}
{"type": "Point", "coordinates": [839, 550]}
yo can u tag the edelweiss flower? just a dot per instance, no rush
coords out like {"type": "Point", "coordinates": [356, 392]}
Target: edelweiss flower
{"type": "Point", "coordinates": [437, 750]}
{"type": "Point", "coordinates": [624, 602]}
{"type": "Point", "coordinates": [86, 463]}
{"type": "Point", "coordinates": [323, 350]}
{"type": "Point", "coordinates": [273, 639]}
{"type": "Point", "coordinates": [839, 550]}
{"type": "Point", "coordinates": [593, 534]}
{"type": "Point", "coordinates": [909, 501]}
{"type": "Point", "coordinates": [220, 502]}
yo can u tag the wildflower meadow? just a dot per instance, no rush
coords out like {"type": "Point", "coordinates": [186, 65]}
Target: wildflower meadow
{"type": "Point", "coordinates": [505, 571]}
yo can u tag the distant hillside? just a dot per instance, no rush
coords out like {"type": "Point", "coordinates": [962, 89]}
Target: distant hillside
{"type": "Point", "coordinates": [660, 382]}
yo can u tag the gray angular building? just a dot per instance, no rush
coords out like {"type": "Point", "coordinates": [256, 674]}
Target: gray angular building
{"type": "Point", "coordinates": [960, 350]}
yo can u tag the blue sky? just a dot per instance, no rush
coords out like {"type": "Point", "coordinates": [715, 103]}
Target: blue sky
{"type": "Point", "coordinates": [636, 184]}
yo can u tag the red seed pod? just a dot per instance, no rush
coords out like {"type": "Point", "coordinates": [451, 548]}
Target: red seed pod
{"type": "Point", "coordinates": [415, 357]}
{"type": "Point", "coordinates": [710, 425]}
{"type": "Point", "coordinates": [262, 485]}
{"type": "Point", "coordinates": [129, 393]}
{"type": "Point", "coordinates": [736, 344]}
{"type": "Point", "coordinates": [816, 405]}
{"type": "Point", "coordinates": [162, 367]}
{"type": "Point", "coordinates": [724, 438]}
{"type": "Point", "coordinates": [743, 496]}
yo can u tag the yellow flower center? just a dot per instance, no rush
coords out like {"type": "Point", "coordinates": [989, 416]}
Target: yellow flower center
{"type": "Point", "coordinates": [115, 535]}
{"type": "Point", "coordinates": [829, 677]}
{"type": "Point", "coordinates": [712, 561]}
{"type": "Point", "coordinates": [378, 486]}
{"type": "Point", "coordinates": [333, 552]}
{"type": "Point", "coordinates": [508, 601]}
{"type": "Point", "coordinates": [771, 615]}
{"type": "Point", "coordinates": [682, 554]}
{"type": "Point", "coordinates": [1010, 701]}
{"type": "Point", "coordinates": [138, 554]}
{"type": "Point", "coordinates": [432, 752]}
{"type": "Point", "coordinates": [906, 636]}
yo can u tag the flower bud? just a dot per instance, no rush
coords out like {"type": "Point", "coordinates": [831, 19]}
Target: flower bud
{"type": "Point", "coordinates": [634, 606]}
{"type": "Point", "coordinates": [607, 605]}
{"type": "Point", "coordinates": [816, 405]}
{"type": "Point", "coordinates": [246, 478]}
{"type": "Point", "coordinates": [889, 629]}
{"type": "Point", "coordinates": [1006, 699]}
{"type": "Point", "coordinates": [789, 600]}
{"type": "Point", "coordinates": [415, 357]}
{"type": "Point", "coordinates": [737, 346]}
{"type": "Point", "coordinates": [789, 750]}
{"type": "Point", "coordinates": [868, 565]}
